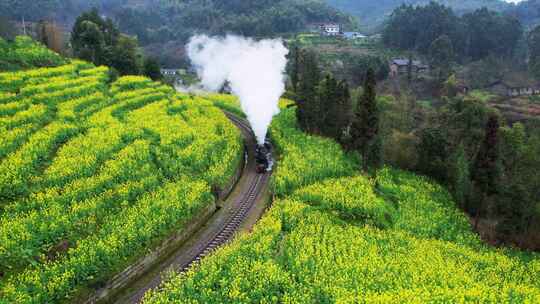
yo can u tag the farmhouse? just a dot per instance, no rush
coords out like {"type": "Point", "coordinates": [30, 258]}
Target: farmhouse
{"type": "Point", "coordinates": [515, 85]}
{"type": "Point", "coordinates": [169, 72]}
{"type": "Point", "coordinates": [353, 35]}
{"type": "Point", "coordinates": [330, 29]}
{"type": "Point", "coordinates": [401, 66]}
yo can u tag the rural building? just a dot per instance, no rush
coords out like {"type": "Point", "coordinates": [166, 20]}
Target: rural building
{"type": "Point", "coordinates": [353, 35]}
{"type": "Point", "coordinates": [401, 66]}
{"type": "Point", "coordinates": [515, 85]}
{"type": "Point", "coordinates": [330, 29]}
{"type": "Point", "coordinates": [169, 72]}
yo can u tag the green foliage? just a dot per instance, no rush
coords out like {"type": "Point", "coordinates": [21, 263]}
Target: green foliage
{"type": "Point", "coordinates": [365, 126]}
{"type": "Point", "coordinates": [459, 177]}
{"type": "Point", "coordinates": [92, 178]}
{"type": "Point", "coordinates": [534, 51]}
{"type": "Point", "coordinates": [433, 153]}
{"type": "Point", "coordinates": [475, 35]}
{"type": "Point", "coordinates": [152, 69]}
{"type": "Point", "coordinates": [7, 28]}
{"type": "Point", "coordinates": [308, 111]}
{"type": "Point", "coordinates": [486, 168]}
{"type": "Point", "coordinates": [441, 53]}
{"type": "Point", "coordinates": [24, 53]}
{"type": "Point", "coordinates": [304, 153]}
{"type": "Point", "coordinates": [99, 41]}
{"type": "Point", "coordinates": [348, 240]}
{"type": "Point", "coordinates": [372, 14]}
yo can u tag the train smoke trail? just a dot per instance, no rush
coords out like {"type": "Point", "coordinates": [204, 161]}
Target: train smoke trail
{"type": "Point", "coordinates": [255, 71]}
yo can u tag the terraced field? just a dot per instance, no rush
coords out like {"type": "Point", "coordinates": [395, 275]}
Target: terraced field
{"type": "Point", "coordinates": [93, 175]}
{"type": "Point", "coordinates": [333, 236]}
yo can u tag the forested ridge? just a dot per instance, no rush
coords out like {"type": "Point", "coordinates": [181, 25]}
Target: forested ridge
{"type": "Point", "coordinates": [373, 13]}
{"type": "Point", "coordinates": [158, 21]}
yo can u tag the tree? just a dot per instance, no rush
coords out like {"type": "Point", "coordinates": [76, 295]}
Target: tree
{"type": "Point", "coordinates": [534, 51]}
{"type": "Point", "coordinates": [486, 172]}
{"type": "Point", "coordinates": [152, 69]}
{"type": "Point", "coordinates": [433, 153]}
{"type": "Point", "coordinates": [51, 36]}
{"type": "Point", "coordinates": [365, 127]}
{"type": "Point", "coordinates": [88, 42]}
{"type": "Point", "coordinates": [93, 38]}
{"type": "Point", "coordinates": [450, 87]}
{"type": "Point", "coordinates": [294, 61]}
{"type": "Point", "coordinates": [7, 28]}
{"type": "Point", "coordinates": [327, 95]}
{"type": "Point", "coordinates": [308, 107]}
{"type": "Point", "coordinates": [441, 53]}
{"type": "Point", "coordinates": [490, 32]}
{"type": "Point", "coordinates": [459, 176]}
{"type": "Point", "coordinates": [125, 57]}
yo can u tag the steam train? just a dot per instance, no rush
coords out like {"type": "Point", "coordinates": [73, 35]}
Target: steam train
{"type": "Point", "coordinates": [263, 158]}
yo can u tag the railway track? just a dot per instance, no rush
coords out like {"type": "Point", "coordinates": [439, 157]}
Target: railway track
{"type": "Point", "coordinates": [221, 228]}
{"type": "Point", "coordinates": [246, 203]}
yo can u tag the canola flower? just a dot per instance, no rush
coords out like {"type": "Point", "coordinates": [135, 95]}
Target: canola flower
{"type": "Point", "coordinates": [331, 237]}
{"type": "Point", "coordinates": [93, 177]}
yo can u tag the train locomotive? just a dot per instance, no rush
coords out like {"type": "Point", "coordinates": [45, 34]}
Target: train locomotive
{"type": "Point", "coordinates": [263, 158]}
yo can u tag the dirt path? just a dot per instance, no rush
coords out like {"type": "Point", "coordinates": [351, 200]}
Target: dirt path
{"type": "Point", "coordinates": [239, 212]}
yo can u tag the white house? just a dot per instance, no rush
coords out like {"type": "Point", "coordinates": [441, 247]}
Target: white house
{"type": "Point", "coordinates": [330, 29]}
{"type": "Point", "coordinates": [169, 72]}
{"type": "Point", "coordinates": [353, 35]}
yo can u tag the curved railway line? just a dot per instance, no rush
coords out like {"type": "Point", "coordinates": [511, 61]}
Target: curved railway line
{"type": "Point", "coordinates": [219, 229]}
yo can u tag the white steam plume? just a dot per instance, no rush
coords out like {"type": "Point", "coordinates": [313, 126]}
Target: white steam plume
{"type": "Point", "coordinates": [255, 71]}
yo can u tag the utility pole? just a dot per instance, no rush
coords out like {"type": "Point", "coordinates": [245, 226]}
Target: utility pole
{"type": "Point", "coordinates": [24, 26]}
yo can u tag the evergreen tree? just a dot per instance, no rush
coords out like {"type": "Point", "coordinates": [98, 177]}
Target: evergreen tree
{"type": "Point", "coordinates": [441, 57]}
{"type": "Point", "coordinates": [308, 107]}
{"type": "Point", "coordinates": [534, 52]}
{"type": "Point", "coordinates": [328, 97]}
{"type": "Point", "coordinates": [125, 57]}
{"type": "Point", "coordinates": [459, 176]}
{"type": "Point", "coordinates": [343, 110]}
{"type": "Point", "coordinates": [486, 172]}
{"type": "Point", "coordinates": [294, 66]}
{"type": "Point", "coordinates": [365, 127]}
{"type": "Point", "coordinates": [7, 28]}
{"type": "Point", "coordinates": [433, 153]}
{"type": "Point", "coordinates": [152, 69]}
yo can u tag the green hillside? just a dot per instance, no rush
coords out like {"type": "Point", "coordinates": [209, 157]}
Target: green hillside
{"type": "Point", "coordinates": [333, 236]}
{"type": "Point", "coordinates": [373, 13]}
{"type": "Point", "coordinates": [94, 175]}
{"type": "Point", "coordinates": [25, 53]}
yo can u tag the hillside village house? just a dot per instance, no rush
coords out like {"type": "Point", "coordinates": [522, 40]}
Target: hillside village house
{"type": "Point", "coordinates": [401, 66]}
{"type": "Point", "coordinates": [515, 85]}
{"type": "Point", "coordinates": [169, 72]}
{"type": "Point", "coordinates": [353, 35]}
{"type": "Point", "coordinates": [330, 29]}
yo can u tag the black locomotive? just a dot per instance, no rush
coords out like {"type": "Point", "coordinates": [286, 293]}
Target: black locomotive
{"type": "Point", "coordinates": [263, 158]}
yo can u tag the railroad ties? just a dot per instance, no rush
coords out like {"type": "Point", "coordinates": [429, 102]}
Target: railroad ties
{"type": "Point", "coordinates": [234, 221]}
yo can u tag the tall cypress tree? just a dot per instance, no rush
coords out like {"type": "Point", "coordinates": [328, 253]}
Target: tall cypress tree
{"type": "Point", "coordinates": [294, 67]}
{"type": "Point", "coordinates": [486, 167]}
{"type": "Point", "coordinates": [365, 128]}
{"type": "Point", "coordinates": [308, 107]}
{"type": "Point", "coordinates": [343, 110]}
{"type": "Point", "coordinates": [487, 170]}
{"type": "Point", "coordinates": [328, 98]}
